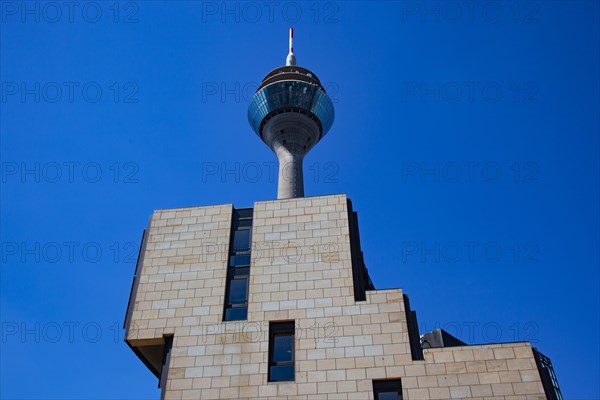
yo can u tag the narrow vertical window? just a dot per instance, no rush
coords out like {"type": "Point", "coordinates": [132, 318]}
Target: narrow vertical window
{"type": "Point", "coordinates": [281, 351]}
{"type": "Point", "coordinates": [390, 389]}
{"type": "Point", "coordinates": [238, 267]}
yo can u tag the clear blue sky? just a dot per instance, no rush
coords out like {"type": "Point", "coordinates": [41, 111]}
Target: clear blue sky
{"type": "Point", "coordinates": [112, 111]}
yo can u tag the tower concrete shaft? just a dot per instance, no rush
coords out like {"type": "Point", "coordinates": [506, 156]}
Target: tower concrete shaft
{"type": "Point", "coordinates": [291, 177]}
{"type": "Point", "coordinates": [290, 136]}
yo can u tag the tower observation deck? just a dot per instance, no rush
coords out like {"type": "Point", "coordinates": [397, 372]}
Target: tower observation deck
{"type": "Point", "coordinates": [291, 113]}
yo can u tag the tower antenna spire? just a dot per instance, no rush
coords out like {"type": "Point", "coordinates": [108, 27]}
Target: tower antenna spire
{"type": "Point", "coordinates": [291, 58]}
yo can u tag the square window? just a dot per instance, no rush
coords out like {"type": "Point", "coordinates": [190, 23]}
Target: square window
{"type": "Point", "coordinates": [390, 389]}
{"type": "Point", "coordinates": [241, 240]}
{"type": "Point", "coordinates": [238, 291]}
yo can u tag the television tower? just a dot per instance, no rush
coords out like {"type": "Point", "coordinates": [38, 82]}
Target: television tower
{"type": "Point", "coordinates": [291, 113]}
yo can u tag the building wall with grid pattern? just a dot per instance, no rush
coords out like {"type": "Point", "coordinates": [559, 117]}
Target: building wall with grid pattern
{"type": "Point", "coordinates": [301, 271]}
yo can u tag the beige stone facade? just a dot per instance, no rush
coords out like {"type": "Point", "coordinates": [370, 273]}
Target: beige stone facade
{"type": "Point", "coordinates": [301, 271]}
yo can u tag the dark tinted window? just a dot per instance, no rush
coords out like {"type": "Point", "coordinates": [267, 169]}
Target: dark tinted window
{"type": "Point", "coordinates": [238, 290]}
{"type": "Point", "coordinates": [236, 314]}
{"type": "Point", "coordinates": [244, 223]}
{"type": "Point", "coordinates": [282, 373]}
{"type": "Point", "coordinates": [282, 347]}
{"type": "Point", "coordinates": [281, 351]}
{"type": "Point", "coordinates": [238, 271]}
{"type": "Point", "coordinates": [239, 260]}
{"type": "Point", "coordinates": [241, 240]}
{"type": "Point", "coordinates": [387, 395]}
{"type": "Point", "coordinates": [390, 389]}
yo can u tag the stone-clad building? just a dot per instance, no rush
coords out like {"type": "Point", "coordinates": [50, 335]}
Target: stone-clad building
{"type": "Point", "coordinates": [275, 301]}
